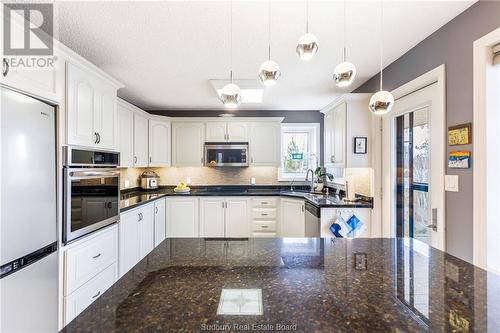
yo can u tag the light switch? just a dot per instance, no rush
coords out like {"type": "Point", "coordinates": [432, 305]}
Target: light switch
{"type": "Point", "coordinates": [252, 181]}
{"type": "Point", "coordinates": [127, 183]}
{"type": "Point", "coordinates": [451, 183]}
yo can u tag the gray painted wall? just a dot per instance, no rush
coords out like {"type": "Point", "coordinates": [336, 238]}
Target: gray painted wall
{"type": "Point", "coordinates": [290, 117]}
{"type": "Point", "coordinates": [451, 45]}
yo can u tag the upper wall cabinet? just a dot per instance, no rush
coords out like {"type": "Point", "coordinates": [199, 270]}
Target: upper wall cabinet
{"type": "Point", "coordinates": [265, 140]}
{"type": "Point", "coordinates": [125, 134]}
{"type": "Point", "coordinates": [92, 117]}
{"type": "Point", "coordinates": [187, 143]}
{"type": "Point", "coordinates": [345, 120]}
{"type": "Point", "coordinates": [159, 143]}
{"type": "Point", "coordinates": [141, 137]}
{"type": "Point", "coordinates": [217, 131]}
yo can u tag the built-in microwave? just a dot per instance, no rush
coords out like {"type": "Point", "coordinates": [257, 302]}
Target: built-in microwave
{"type": "Point", "coordinates": [219, 154]}
{"type": "Point", "coordinates": [91, 191]}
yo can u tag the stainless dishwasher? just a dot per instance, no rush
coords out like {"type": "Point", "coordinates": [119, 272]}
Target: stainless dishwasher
{"type": "Point", "coordinates": [313, 220]}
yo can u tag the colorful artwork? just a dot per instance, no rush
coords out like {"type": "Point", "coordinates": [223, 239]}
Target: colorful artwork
{"type": "Point", "coordinates": [459, 160]}
{"type": "Point", "coordinates": [460, 135]}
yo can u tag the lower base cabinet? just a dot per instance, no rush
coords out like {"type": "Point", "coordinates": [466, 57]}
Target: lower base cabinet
{"type": "Point", "coordinates": [136, 236]}
{"type": "Point", "coordinates": [224, 217]}
{"type": "Point", "coordinates": [78, 301]}
{"type": "Point", "coordinates": [160, 222]}
{"type": "Point", "coordinates": [292, 218]}
{"type": "Point", "coordinates": [90, 268]}
{"type": "Point", "coordinates": [182, 218]}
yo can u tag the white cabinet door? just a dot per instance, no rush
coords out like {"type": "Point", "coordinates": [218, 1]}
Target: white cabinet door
{"type": "Point", "coordinates": [328, 139]}
{"type": "Point", "coordinates": [128, 240]}
{"type": "Point", "coordinates": [126, 136]}
{"type": "Point", "coordinates": [159, 143]}
{"type": "Point", "coordinates": [141, 155]}
{"type": "Point", "coordinates": [160, 221]}
{"type": "Point", "coordinates": [215, 132]}
{"type": "Point", "coordinates": [80, 96]}
{"type": "Point", "coordinates": [339, 135]}
{"type": "Point", "coordinates": [187, 144]}
{"type": "Point", "coordinates": [292, 218]}
{"type": "Point", "coordinates": [237, 217]}
{"type": "Point", "coordinates": [237, 132]}
{"type": "Point", "coordinates": [105, 117]}
{"type": "Point", "coordinates": [182, 217]}
{"type": "Point", "coordinates": [146, 230]}
{"type": "Point", "coordinates": [265, 144]}
{"type": "Point", "coordinates": [212, 217]}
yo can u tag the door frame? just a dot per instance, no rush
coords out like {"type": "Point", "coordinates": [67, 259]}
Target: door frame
{"type": "Point", "coordinates": [387, 179]}
{"type": "Point", "coordinates": [481, 58]}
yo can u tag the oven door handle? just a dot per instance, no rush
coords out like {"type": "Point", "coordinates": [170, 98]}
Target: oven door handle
{"type": "Point", "coordinates": [85, 174]}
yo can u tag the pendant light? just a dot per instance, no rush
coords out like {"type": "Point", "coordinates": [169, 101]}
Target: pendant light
{"type": "Point", "coordinates": [345, 72]}
{"type": "Point", "coordinates": [382, 101]}
{"type": "Point", "coordinates": [230, 94]}
{"type": "Point", "coordinates": [307, 45]}
{"type": "Point", "coordinates": [269, 71]}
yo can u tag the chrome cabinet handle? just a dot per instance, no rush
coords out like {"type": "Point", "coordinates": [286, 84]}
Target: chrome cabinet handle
{"type": "Point", "coordinates": [264, 202]}
{"type": "Point", "coordinates": [95, 136]}
{"type": "Point", "coordinates": [98, 138]}
{"type": "Point", "coordinates": [332, 159]}
{"type": "Point", "coordinates": [156, 210]}
{"type": "Point", "coordinates": [264, 226]}
{"type": "Point", "coordinates": [135, 159]}
{"type": "Point", "coordinates": [150, 159]}
{"type": "Point", "coordinates": [302, 207]}
{"type": "Point", "coordinates": [263, 214]}
{"type": "Point", "coordinates": [96, 256]}
{"type": "Point", "coordinates": [140, 217]}
{"type": "Point", "coordinates": [6, 67]}
{"type": "Point", "coordinates": [96, 295]}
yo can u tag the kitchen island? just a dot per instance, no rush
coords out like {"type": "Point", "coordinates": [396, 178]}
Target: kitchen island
{"type": "Point", "coordinates": [297, 284]}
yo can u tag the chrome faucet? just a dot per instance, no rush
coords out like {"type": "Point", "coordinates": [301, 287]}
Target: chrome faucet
{"type": "Point", "coordinates": [312, 179]}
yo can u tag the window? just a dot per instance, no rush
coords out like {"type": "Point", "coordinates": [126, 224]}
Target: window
{"type": "Point", "coordinates": [299, 150]}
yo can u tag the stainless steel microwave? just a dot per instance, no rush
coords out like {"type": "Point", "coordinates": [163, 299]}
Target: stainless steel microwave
{"type": "Point", "coordinates": [233, 154]}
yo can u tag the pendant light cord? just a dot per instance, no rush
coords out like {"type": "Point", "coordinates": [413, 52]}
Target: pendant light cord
{"type": "Point", "coordinates": [307, 16]}
{"type": "Point", "coordinates": [381, 44]}
{"type": "Point", "coordinates": [231, 39]}
{"type": "Point", "coordinates": [269, 28]}
{"type": "Point", "coordinates": [345, 24]}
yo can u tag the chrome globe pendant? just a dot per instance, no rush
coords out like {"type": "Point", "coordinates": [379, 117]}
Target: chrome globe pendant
{"type": "Point", "coordinates": [269, 71]}
{"type": "Point", "coordinates": [345, 72]}
{"type": "Point", "coordinates": [382, 101]}
{"type": "Point", "coordinates": [307, 45]}
{"type": "Point", "coordinates": [230, 94]}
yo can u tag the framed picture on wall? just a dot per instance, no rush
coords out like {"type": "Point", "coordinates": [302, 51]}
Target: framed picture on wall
{"type": "Point", "coordinates": [360, 143]}
{"type": "Point", "coordinates": [460, 135]}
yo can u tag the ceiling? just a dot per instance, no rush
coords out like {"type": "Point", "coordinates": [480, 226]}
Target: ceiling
{"type": "Point", "coordinates": [166, 52]}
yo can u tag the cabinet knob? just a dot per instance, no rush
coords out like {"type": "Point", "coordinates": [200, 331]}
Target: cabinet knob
{"type": "Point", "coordinates": [6, 67]}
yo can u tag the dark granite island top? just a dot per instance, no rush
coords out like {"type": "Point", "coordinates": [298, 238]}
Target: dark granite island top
{"type": "Point", "coordinates": [307, 285]}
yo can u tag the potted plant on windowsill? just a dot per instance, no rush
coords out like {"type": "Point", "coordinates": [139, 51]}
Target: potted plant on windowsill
{"type": "Point", "coordinates": [321, 178]}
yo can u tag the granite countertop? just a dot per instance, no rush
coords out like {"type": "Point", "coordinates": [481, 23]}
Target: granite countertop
{"type": "Point", "coordinates": [306, 285]}
{"type": "Point", "coordinates": [136, 197]}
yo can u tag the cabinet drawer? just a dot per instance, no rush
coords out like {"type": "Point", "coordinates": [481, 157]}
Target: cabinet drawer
{"type": "Point", "coordinates": [264, 213]}
{"type": "Point", "coordinates": [264, 202]}
{"type": "Point", "coordinates": [263, 234]}
{"type": "Point", "coordinates": [87, 259]}
{"type": "Point", "coordinates": [79, 300]}
{"type": "Point", "coordinates": [265, 226]}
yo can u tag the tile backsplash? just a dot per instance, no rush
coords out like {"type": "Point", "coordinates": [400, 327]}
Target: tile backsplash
{"type": "Point", "coordinates": [237, 176]}
{"type": "Point", "coordinates": [204, 175]}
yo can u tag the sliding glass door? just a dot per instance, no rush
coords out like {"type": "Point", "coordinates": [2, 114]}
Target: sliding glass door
{"type": "Point", "coordinates": [412, 158]}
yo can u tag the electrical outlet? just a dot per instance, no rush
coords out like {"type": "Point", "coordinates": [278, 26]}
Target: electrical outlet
{"type": "Point", "coordinates": [188, 181]}
{"type": "Point", "coordinates": [252, 181]}
{"type": "Point", "coordinates": [127, 183]}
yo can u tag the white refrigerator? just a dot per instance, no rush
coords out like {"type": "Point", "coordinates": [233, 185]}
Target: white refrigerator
{"type": "Point", "coordinates": [28, 228]}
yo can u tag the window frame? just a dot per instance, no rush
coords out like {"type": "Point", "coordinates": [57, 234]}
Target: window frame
{"type": "Point", "coordinates": [314, 146]}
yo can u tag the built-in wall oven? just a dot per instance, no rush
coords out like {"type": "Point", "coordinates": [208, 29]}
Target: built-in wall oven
{"type": "Point", "coordinates": [91, 191]}
{"type": "Point", "coordinates": [219, 154]}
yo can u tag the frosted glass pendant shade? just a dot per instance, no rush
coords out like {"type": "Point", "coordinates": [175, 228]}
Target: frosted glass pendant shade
{"type": "Point", "coordinates": [307, 46]}
{"type": "Point", "coordinates": [381, 102]}
{"type": "Point", "coordinates": [230, 96]}
{"type": "Point", "coordinates": [344, 74]}
{"type": "Point", "coordinates": [269, 73]}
